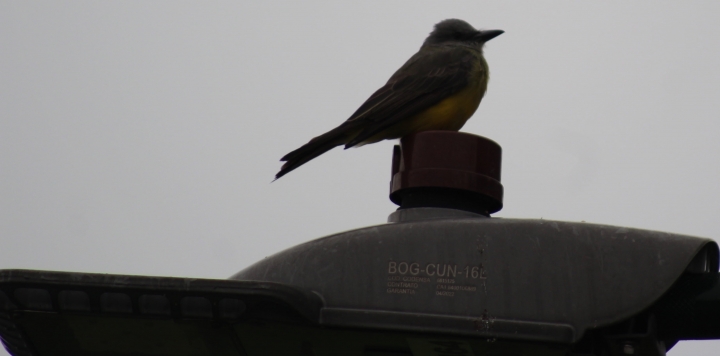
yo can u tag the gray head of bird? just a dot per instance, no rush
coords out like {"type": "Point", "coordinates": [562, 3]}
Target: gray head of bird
{"type": "Point", "coordinates": [459, 31]}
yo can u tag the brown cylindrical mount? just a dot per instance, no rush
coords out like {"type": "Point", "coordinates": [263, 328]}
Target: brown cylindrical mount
{"type": "Point", "coordinates": [447, 169]}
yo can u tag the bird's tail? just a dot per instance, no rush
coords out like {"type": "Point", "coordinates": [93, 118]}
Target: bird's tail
{"type": "Point", "coordinates": [316, 147]}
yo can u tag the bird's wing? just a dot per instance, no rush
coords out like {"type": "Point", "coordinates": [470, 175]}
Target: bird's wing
{"type": "Point", "coordinates": [428, 77]}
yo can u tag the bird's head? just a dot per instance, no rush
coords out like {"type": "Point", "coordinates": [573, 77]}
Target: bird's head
{"type": "Point", "coordinates": [454, 30]}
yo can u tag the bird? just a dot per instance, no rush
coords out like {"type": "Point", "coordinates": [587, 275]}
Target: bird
{"type": "Point", "coordinates": [438, 88]}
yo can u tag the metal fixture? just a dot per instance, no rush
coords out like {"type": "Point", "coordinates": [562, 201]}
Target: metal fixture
{"type": "Point", "coordinates": [442, 277]}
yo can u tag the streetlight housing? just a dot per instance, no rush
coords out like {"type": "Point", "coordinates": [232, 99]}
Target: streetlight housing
{"type": "Point", "coordinates": [441, 278]}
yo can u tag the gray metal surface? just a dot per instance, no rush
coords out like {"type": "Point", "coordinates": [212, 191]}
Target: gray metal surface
{"type": "Point", "coordinates": [425, 214]}
{"type": "Point", "coordinates": [82, 314]}
{"type": "Point", "coordinates": [46, 313]}
{"type": "Point", "coordinates": [507, 278]}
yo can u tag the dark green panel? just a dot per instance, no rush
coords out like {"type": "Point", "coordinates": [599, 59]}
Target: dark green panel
{"type": "Point", "coordinates": [80, 335]}
{"type": "Point", "coordinates": [263, 339]}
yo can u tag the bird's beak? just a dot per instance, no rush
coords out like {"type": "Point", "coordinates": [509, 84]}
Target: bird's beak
{"type": "Point", "coordinates": [487, 35]}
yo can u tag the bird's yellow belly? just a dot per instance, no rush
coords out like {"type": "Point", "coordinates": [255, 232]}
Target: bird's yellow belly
{"type": "Point", "coordinates": [449, 114]}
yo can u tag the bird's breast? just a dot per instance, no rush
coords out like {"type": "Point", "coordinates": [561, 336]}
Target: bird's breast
{"type": "Point", "coordinates": [452, 112]}
{"type": "Point", "coordinates": [449, 114]}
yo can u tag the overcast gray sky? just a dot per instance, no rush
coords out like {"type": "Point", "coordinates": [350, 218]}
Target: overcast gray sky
{"type": "Point", "coordinates": [142, 137]}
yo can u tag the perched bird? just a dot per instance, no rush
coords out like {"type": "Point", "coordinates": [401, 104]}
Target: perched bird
{"type": "Point", "coordinates": [438, 88]}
